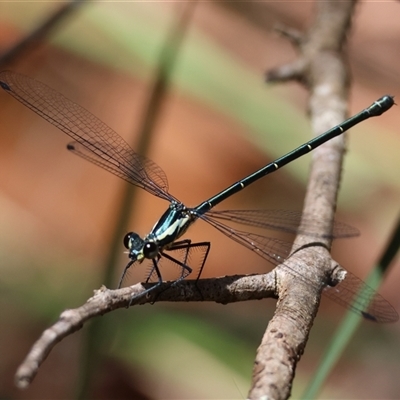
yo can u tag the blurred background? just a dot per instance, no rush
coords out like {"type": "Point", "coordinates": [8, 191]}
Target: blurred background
{"type": "Point", "coordinates": [218, 122]}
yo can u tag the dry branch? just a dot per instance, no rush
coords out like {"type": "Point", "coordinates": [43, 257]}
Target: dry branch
{"type": "Point", "coordinates": [321, 66]}
{"type": "Point", "coordinates": [223, 290]}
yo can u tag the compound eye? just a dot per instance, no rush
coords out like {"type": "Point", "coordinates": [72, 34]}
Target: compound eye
{"type": "Point", "coordinates": [150, 250]}
{"type": "Point", "coordinates": [127, 240]}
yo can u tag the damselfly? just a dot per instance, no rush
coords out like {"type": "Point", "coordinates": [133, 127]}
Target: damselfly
{"type": "Point", "coordinates": [98, 143]}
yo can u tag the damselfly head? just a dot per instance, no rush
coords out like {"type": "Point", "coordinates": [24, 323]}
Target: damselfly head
{"type": "Point", "coordinates": [135, 244]}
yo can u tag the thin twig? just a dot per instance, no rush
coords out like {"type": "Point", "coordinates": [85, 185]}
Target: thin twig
{"type": "Point", "coordinates": [321, 66]}
{"type": "Point", "coordinates": [219, 290]}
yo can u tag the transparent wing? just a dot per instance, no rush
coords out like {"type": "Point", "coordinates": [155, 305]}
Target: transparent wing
{"type": "Point", "coordinates": [283, 220]}
{"type": "Point", "coordinates": [122, 171]}
{"type": "Point", "coordinates": [370, 305]}
{"type": "Point", "coordinates": [101, 144]}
